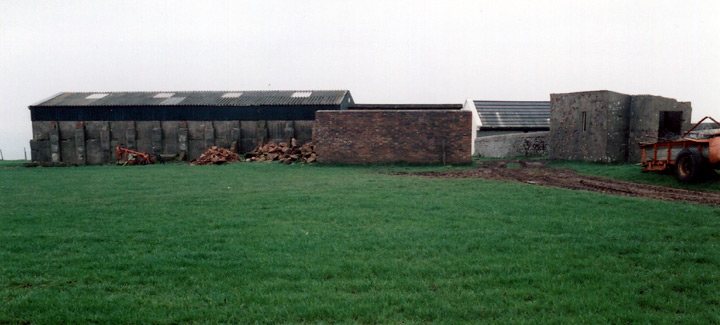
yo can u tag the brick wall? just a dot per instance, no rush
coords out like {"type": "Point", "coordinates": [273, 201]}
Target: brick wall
{"type": "Point", "coordinates": [384, 136]}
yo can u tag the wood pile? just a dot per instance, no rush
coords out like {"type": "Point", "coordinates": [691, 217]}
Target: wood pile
{"type": "Point", "coordinates": [283, 152]}
{"type": "Point", "coordinates": [216, 156]}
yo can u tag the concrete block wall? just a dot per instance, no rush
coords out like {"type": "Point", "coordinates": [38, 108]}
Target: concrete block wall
{"type": "Point", "coordinates": [589, 126]}
{"type": "Point", "coordinates": [94, 142]}
{"type": "Point", "coordinates": [606, 126]}
{"type": "Point", "coordinates": [645, 118]}
{"type": "Point", "coordinates": [387, 136]}
{"type": "Point", "coordinates": [512, 145]}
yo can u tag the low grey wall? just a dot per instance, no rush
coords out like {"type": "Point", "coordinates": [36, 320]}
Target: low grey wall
{"type": "Point", "coordinates": [512, 145]}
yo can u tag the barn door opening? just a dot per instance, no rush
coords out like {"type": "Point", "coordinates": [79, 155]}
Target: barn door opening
{"type": "Point", "coordinates": [670, 124]}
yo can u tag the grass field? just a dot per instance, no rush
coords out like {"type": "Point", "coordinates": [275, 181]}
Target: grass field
{"type": "Point", "coordinates": [284, 244]}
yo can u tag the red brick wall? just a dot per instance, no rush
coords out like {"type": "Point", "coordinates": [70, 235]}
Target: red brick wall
{"type": "Point", "coordinates": [414, 136]}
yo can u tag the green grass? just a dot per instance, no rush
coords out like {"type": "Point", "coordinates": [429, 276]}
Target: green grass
{"type": "Point", "coordinates": [284, 244]}
{"type": "Point", "coordinates": [633, 173]}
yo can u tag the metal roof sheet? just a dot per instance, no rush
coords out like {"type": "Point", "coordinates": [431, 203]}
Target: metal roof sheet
{"type": "Point", "coordinates": [198, 98]}
{"type": "Point", "coordinates": [406, 106]}
{"type": "Point", "coordinates": [513, 114]}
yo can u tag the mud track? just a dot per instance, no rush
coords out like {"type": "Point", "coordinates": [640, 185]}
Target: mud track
{"type": "Point", "coordinates": [536, 173]}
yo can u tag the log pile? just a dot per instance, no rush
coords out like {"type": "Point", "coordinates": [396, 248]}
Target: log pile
{"type": "Point", "coordinates": [216, 156]}
{"type": "Point", "coordinates": [283, 152]}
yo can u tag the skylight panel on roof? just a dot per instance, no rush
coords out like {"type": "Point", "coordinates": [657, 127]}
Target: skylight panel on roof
{"type": "Point", "coordinates": [172, 101]}
{"type": "Point", "coordinates": [96, 96]}
{"type": "Point", "coordinates": [231, 95]}
{"type": "Point", "coordinates": [164, 95]}
{"type": "Point", "coordinates": [301, 94]}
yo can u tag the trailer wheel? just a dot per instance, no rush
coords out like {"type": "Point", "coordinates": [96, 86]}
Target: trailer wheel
{"type": "Point", "coordinates": [689, 166]}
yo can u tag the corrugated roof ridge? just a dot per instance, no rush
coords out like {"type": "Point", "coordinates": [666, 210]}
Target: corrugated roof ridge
{"type": "Point", "coordinates": [508, 101]}
{"type": "Point", "coordinates": [191, 91]}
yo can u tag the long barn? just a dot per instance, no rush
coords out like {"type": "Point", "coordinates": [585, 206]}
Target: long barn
{"type": "Point", "coordinates": [85, 127]}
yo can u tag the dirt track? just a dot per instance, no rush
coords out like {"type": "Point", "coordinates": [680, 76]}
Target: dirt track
{"type": "Point", "coordinates": [535, 172]}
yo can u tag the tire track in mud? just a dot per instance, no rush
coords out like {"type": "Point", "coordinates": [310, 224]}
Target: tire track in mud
{"type": "Point", "coordinates": [536, 173]}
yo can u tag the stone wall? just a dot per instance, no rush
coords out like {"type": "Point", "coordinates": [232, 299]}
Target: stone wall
{"type": "Point", "coordinates": [512, 145]}
{"type": "Point", "coordinates": [94, 142]}
{"type": "Point", "coordinates": [387, 136]}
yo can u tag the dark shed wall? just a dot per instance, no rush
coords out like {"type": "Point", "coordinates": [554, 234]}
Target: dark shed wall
{"type": "Point", "coordinates": [176, 113]}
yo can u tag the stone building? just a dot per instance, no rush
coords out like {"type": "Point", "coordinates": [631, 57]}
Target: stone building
{"type": "Point", "coordinates": [607, 126]}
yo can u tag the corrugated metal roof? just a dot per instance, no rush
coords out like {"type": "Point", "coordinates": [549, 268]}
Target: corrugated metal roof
{"type": "Point", "coordinates": [199, 98]}
{"type": "Point", "coordinates": [513, 114]}
{"type": "Point", "coordinates": [406, 106]}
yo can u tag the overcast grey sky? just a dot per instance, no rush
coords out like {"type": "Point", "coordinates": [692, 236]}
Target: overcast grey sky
{"type": "Point", "coordinates": [382, 51]}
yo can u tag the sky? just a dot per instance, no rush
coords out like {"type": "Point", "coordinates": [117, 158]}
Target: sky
{"type": "Point", "coordinates": [420, 51]}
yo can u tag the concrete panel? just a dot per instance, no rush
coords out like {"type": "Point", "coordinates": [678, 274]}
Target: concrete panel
{"type": "Point", "coordinates": [196, 129]}
{"type": "Point", "coordinates": [278, 131]}
{"type": "Point", "coordinates": [209, 135]}
{"type": "Point", "coordinates": [67, 130]}
{"type": "Point", "coordinates": [80, 143]}
{"type": "Point", "coordinates": [131, 135]}
{"type": "Point", "coordinates": [157, 140]}
{"type": "Point", "coordinates": [224, 136]}
{"type": "Point", "coordinates": [95, 154]}
{"type": "Point", "coordinates": [118, 134]}
{"type": "Point", "coordinates": [68, 151]}
{"type": "Point", "coordinates": [95, 129]}
{"type": "Point", "coordinates": [144, 135]}
{"type": "Point", "coordinates": [248, 135]}
{"type": "Point", "coordinates": [41, 130]}
{"type": "Point", "coordinates": [183, 139]}
{"type": "Point", "coordinates": [40, 150]}
{"type": "Point", "coordinates": [55, 151]}
{"type": "Point", "coordinates": [303, 131]}
{"type": "Point", "coordinates": [170, 137]}
{"type": "Point", "coordinates": [196, 148]}
{"type": "Point", "coordinates": [512, 145]}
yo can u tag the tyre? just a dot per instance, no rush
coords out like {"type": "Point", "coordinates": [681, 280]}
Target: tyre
{"type": "Point", "coordinates": [689, 166]}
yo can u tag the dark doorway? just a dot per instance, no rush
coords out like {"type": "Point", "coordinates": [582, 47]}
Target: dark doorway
{"type": "Point", "coordinates": [670, 125]}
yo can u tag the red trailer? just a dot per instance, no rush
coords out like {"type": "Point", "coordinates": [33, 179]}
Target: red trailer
{"type": "Point", "coordinates": [692, 158]}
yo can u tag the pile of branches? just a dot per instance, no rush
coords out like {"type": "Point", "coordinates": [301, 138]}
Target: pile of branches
{"type": "Point", "coordinates": [216, 156]}
{"type": "Point", "coordinates": [283, 152]}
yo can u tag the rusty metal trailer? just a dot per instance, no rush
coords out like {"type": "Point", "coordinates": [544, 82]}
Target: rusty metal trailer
{"type": "Point", "coordinates": [692, 158]}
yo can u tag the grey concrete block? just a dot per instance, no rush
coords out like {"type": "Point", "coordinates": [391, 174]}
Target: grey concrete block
{"type": "Point", "coordinates": [40, 150]}
{"type": "Point", "coordinates": [303, 131]}
{"type": "Point", "coordinates": [196, 130]}
{"type": "Point", "coordinates": [95, 154]}
{"type": "Point", "coordinates": [170, 144]}
{"type": "Point", "coordinates": [80, 143]}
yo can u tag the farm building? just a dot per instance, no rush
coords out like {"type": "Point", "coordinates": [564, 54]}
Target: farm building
{"type": "Point", "coordinates": [85, 127]}
{"type": "Point", "coordinates": [504, 117]}
{"type": "Point", "coordinates": [510, 128]}
{"type": "Point", "coordinates": [608, 126]}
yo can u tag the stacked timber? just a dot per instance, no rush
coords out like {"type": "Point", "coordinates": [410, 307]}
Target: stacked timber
{"type": "Point", "coordinates": [216, 156]}
{"type": "Point", "coordinates": [283, 152]}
